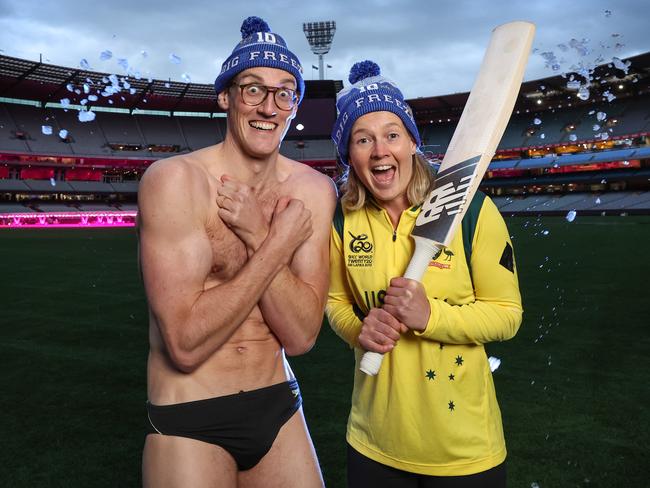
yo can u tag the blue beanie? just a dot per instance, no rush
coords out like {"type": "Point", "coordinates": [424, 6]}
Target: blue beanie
{"type": "Point", "coordinates": [259, 47]}
{"type": "Point", "coordinates": [369, 92]}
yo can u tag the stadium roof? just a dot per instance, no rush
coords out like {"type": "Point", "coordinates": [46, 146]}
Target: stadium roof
{"type": "Point", "coordinates": [31, 80]}
{"type": "Point", "coordinates": [45, 83]}
{"type": "Point", "coordinates": [549, 93]}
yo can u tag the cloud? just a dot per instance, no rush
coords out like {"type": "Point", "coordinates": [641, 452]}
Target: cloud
{"type": "Point", "coordinates": [428, 48]}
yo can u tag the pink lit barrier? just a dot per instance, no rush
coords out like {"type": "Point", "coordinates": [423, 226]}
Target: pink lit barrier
{"type": "Point", "coordinates": [67, 219]}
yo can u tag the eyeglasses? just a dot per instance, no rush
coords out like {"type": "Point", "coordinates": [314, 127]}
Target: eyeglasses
{"type": "Point", "coordinates": [254, 94]}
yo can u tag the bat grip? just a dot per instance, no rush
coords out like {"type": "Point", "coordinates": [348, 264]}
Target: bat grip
{"type": "Point", "coordinates": [425, 249]}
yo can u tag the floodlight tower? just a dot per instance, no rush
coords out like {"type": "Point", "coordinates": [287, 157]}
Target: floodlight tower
{"type": "Point", "coordinates": [320, 35]}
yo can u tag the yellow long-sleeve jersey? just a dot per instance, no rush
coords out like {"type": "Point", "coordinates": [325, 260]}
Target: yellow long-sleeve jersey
{"type": "Point", "coordinates": [432, 408]}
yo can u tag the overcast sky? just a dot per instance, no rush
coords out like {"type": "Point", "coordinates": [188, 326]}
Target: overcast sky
{"type": "Point", "coordinates": [429, 47]}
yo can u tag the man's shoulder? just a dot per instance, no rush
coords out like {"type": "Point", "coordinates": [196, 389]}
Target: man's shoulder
{"type": "Point", "coordinates": [307, 181]}
{"type": "Point", "coordinates": [175, 173]}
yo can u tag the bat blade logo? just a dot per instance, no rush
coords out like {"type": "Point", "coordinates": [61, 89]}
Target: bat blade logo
{"type": "Point", "coordinates": [449, 196]}
{"type": "Point", "coordinates": [446, 199]}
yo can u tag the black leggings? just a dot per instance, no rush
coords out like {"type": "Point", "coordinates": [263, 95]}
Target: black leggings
{"type": "Point", "coordinates": [364, 472]}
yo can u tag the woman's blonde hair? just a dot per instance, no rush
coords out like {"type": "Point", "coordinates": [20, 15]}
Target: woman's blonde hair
{"type": "Point", "coordinates": [354, 193]}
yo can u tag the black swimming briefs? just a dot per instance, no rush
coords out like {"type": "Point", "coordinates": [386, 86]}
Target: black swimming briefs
{"type": "Point", "coordinates": [245, 424]}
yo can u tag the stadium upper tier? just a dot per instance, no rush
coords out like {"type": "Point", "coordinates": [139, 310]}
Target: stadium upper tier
{"type": "Point", "coordinates": [28, 129]}
{"type": "Point", "coordinates": [552, 100]}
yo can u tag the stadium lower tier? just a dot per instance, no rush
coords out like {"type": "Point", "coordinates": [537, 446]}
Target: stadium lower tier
{"type": "Point", "coordinates": [606, 204]}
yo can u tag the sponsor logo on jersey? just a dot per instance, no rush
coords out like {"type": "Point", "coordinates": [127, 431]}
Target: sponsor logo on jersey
{"type": "Point", "coordinates": [361, 251]}
{"type": "Point", "coordinates": [443, 254]}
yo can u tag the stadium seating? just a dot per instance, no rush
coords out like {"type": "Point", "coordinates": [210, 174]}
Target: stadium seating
{"type": "Point", "coordinates": [202, 132]}
{"type": "Point", "coordinates": [538, 155]}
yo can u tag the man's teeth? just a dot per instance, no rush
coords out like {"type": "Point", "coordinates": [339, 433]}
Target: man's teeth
{"type": "Point", "coordinates": [262, 125]}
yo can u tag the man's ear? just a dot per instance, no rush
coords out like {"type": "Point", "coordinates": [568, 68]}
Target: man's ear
{"type": "Point", "coordinates": [222, 100]}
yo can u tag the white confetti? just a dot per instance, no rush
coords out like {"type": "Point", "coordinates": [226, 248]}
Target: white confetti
{"type": "Point", "coordinates": [69, 87]}
{"type": "Point", "coordinates": [571, 216]}
{"type": "Point", "coordinates": [46, 129]}
{"type": "Point", "coordinates": [573, 85]}
{"type": "Point", "coordinates": [622, 65]}
{"type": "Point", "coordinates": [601, 116]}
{"type": "Point", "coordinates": [174, 59]}
{"type": "Point", "coordinates": [596, 127]}
{"type": "Point", "coordinates": [583, 93]}
{"type": "Point", "coordinates": [537, 121]}
{"type": "Point", "coordinates": [609, 96]}
{"type": "Point", "coordinates": [598, 201]}
{"type": "Point", "coordinates": [52, 182]}
{"type": "Point", "coordinates": [63, 133]}
{"type": "Point", "coordinates": [84, 64]}
{"type": "Point", "coordinates": [123, 63]}
{"type": "Point", "coordinates": [65, 102]}
{"type": "Point", "coordinates": [494, 363]}
{"type": "Point", "coordinates": [86, 116]}
{"type": "Point", "coordinates": [105, 55]}
{"type": "Point", "coordinates": [551, 60]}
{"type": "Point", "coordinates": [92, 98]}
{"type": "Point", "coordinates": [573, 137]}
{"type": "Point", "coordinates": [186, 77]}
{"type": "Point", "coordinates": [580, 46]}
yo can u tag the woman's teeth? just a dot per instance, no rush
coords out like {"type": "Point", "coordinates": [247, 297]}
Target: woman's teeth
{"type": "Point", "coordinates": [382, 168]}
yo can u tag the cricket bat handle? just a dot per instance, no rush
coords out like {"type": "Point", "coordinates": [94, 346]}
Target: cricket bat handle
{"type": "Point", "coordinates": [425, 249]}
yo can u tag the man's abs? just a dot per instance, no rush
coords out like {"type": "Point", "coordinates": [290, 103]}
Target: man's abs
{"type": "Point", "coordinates": [252, 358]}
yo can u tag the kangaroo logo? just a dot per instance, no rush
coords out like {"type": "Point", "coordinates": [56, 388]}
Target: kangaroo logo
{"type": "Point", "coordinates": [359, 243]}
{"type": "Point", "coordinates": [448, 254]}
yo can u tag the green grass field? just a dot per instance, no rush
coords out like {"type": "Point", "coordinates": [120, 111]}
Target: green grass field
{"type": "Point", "coordinates": [572, 384]}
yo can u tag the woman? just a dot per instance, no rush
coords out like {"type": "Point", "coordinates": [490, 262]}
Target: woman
{"type": "Point", "coordinates": [430, 417]}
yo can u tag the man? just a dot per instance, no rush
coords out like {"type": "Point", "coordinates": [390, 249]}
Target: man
{"type": "Point", "coordinates": [233, 247]}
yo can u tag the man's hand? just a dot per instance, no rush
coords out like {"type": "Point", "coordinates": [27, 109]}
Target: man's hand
{"type": "Point", "coordinates": [407, 302]}
{"type": "Point", "coordinates": [380, 331]}
{"type": "Point", "coordinates": [241, 212]}
{"type": "Point", "coordinates": [290, 226]}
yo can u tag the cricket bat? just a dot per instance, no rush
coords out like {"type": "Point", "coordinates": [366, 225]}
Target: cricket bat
{"type": "Point", "coordinates": [479, 130]}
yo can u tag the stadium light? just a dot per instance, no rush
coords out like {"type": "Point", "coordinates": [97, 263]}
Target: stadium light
{"type": "Point", "coordinates": [320, 36]}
